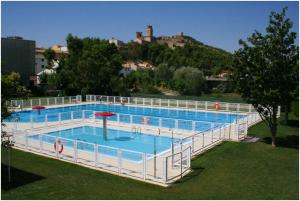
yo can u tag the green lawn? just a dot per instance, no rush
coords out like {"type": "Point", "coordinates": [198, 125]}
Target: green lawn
{"type": "Point", "coordinates": [230, 171]}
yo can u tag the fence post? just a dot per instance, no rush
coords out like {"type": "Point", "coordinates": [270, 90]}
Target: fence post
{"type": "Point", "coordinates": [181, 164]}
{"type": "Point", "coordinates": [168, 102]}
{"type": "Point", "coordinates": [59, 118]}
{"type": "Point", "coordinates": [46, 119]}
{"type": "Point", "coordinates": [196, 105]}
{"type": "Point", "coordinates": [143, 101]}
{"type": "Point", "coordinates": [203, 139]}
{"type": "Point", "coordinates": [63, 100]}
{"type": "Point", "coordinates": [193, 125]}
{"type": "Point", "coordinates": [22, 103]}
{"type": "Point", "coordinates": [151, 102]}
{"type": "Point", "coordinates": [145, 166]}
{"type": "Point", "coordinates": [31, 122]}
{"type": "Point", "coordinates": [186, 104]}
{"type": "Point", "coordinates": [227, 106]}
{"type": "Point", "coordinates": [159, 102]}
{"type": "Point", "coordinates": [41, 143]}
{"type": "Point", "coordinates": [131, 119]}
{"type": "Point", "coordinates": [177, 103]}
{"type": "Point", "coordinates": [193, 143]}
{"type": "Point", "coordinates": [30, 102]}
{"type": "Point", "coordinates": [250, 108]}
{"type": "Point", "coordinates": [205, 105]}
{"type": "Point", "coordinates": [75, 150]}
{"type": "Point", "coordinates": [118, 118]}
{"type": "Point", "coordinates": [119, 161]}
{"type": "Point", "coordinates": [238, 107]}
{"type": "Point", "coordinates": [56, 147]}
{"type": "Point", "coordinates": [165, 169]}
{"type": "Point", "coordinates": [160, 122]}
{"type": "Point", "coordinates": [26, 139]}
{"type": "Point", "coordinates": [96, 154]}
{"type": "Point", "coordinates": [135, 100]}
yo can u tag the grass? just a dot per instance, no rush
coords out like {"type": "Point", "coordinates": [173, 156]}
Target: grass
{"type": "Point", "coordinates": [233, 170]}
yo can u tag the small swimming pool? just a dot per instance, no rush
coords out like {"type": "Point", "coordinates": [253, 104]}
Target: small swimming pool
{"type": "Point", "coordinates": [87, 136]}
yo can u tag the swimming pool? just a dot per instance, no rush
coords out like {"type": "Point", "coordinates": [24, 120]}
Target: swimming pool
{"type": "Point", "coordinates": [86, 136]}
{"type": "Point", "coordinates": [169, 118]}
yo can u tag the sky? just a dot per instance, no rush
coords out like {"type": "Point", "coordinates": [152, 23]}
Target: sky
{"type": "Point", "coordinates": [219, 24]}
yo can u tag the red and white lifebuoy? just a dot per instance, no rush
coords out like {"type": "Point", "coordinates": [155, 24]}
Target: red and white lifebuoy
{"type": "Point", "coordinates": [144, 120]}
{"type": "Point", "coordinates": [61, 146]}
{"type": "Point", "coordinates": [217, 106]}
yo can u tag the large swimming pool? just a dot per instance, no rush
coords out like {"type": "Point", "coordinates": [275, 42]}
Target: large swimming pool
{"type": "Point", "coordinates": [169, 118]}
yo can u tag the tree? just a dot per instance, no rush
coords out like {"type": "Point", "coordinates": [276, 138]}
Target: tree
{"type": "Point", "coordinates": [49, 55]}
{"type": "Point", "coordinates": [164, 73]}
{"type": "Point", "coordinates": [11, 83]}
{"type": "Point", "coordinates": [92, 66]}
{"type": "Point", "coordinates": [264, 70]}
{"type": "Point", "coordinates": [191, 78]}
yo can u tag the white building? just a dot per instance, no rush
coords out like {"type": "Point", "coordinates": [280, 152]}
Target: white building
{"type": "Point", "coordinates": [41, 62]}
{"type": "Point", "coordinates": [117, 42]}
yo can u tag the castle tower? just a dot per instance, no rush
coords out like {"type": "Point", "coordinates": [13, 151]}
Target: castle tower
{"type": "Point", "coordinates": [149, 34]}
{"type": "Point", "coordinates": [139, 37]}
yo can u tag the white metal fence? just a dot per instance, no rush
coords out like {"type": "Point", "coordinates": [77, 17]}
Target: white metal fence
{"type": "Point", "coordinates": [29, 103]}
{"type": "Point", "coordinates": [162, 168]}
{"type": "Point", "coordinates": [179, 125]}
{"type": "Point", "coordinates": [172, 103]}
{"type": "Point", "coordinates": [135, 164]}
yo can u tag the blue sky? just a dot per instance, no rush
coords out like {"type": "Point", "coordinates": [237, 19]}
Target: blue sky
{"type": "Point", "coordinates": [220, 24]}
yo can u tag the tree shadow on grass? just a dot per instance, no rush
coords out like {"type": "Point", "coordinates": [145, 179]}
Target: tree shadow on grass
{"type": "Point", "coordinates": [290, 141]}
{"type": "Point", "coordinates": [291, 123]}
{"type": "Point", "coordinates": [18, 178]}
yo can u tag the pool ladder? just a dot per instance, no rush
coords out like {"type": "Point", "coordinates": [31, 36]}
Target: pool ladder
{"type": "Point", "coordinates": [136, 130]}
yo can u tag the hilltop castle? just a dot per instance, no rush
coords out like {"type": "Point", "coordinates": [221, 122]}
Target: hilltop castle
{"type": "Point", "coordinates": [171, 41]}
{"type": "Point", "coordinates": [142, 39]}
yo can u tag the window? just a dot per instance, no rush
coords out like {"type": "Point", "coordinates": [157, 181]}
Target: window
{"type": "Point", "coordinates": [43, 59]}
{"type": "Point", "coordinates": [43, 66]}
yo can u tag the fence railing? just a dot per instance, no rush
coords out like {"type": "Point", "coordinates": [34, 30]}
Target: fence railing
{"type": "Point", "coordinates": [146, 166]}
{"type": "Point", "coordinates": [172, 103]}
{"type": "Point", "coordinates": [29, 103]}
{"type": "Point", "coordinates": [179, 125]}
{"type": "Point", "coordinates": [164, 168]}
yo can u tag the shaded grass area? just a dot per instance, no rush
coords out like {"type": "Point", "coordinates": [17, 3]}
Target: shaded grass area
{"type": "Point", "coordinates": [232, 170]}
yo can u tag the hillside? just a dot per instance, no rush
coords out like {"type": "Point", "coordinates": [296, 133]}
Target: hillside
{"type": "Point", "coordinates": [168, 50]}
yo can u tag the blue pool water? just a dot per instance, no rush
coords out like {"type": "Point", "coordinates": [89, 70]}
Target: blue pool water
{"type": "Point", "coordinates": [145, 111]}
{"type": "Point", "coordinates": [184, 117]}
{"type": "Point", "coordinates": [118, 139]}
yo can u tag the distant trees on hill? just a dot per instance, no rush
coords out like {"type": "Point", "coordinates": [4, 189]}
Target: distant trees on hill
{"type": "Point", "coordinates": [205, 58]}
